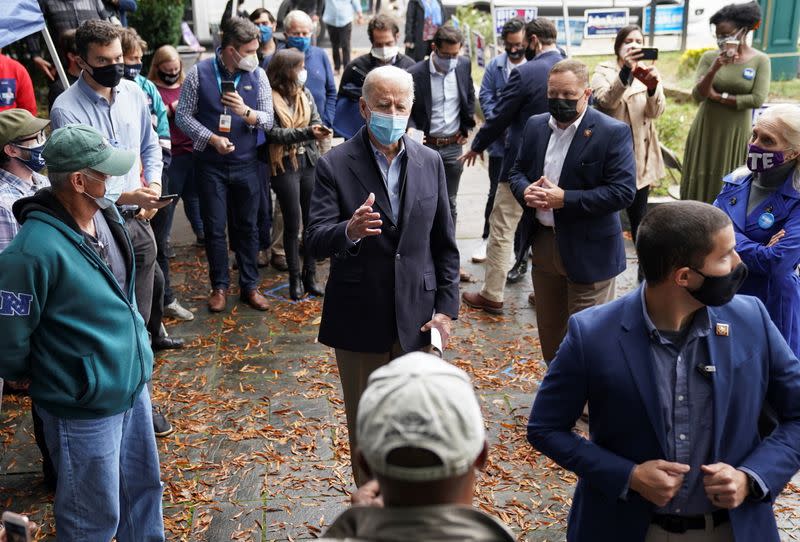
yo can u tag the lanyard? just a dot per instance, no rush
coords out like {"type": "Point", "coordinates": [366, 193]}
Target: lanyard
{"type": "Point", "coordinates": [219, 77]}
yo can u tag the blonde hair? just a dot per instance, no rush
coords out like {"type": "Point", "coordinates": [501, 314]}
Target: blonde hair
{"type": "Point", "coordinates": [165, 53]}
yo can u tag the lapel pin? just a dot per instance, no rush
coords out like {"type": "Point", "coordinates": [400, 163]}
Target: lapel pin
{"type": "Point", "coordinates": [587, 133]}
{"type": "Point", "coordinates": [732, 201]}
{"type": "Point", "coordinates": [723, 330]}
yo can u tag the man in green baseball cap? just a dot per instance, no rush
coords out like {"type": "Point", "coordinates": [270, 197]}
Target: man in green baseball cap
{"type": "Point", "coordinates": [21, 140]}
{"type": "Point", "coordinates": [71, 326]}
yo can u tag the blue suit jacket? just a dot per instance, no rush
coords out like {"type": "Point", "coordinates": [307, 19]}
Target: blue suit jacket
{"type": "Point", "coordinates": [599, 179]}
{"type": "Point", "coordinates": [421, 110]}
{"type": "Point", "coordinates": [772, 276]}
{"type": "Point", "coordinates": [524, 95]}
{"type": "Point", "coordinates": [387, 286]}
{"type": "Point", "coordinates": [494, 79]}
{"type": "Point", "coordinates": [605, 359]}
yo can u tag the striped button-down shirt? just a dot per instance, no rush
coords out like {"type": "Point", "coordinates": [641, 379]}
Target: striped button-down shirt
{"type": "Point", "coordinates": [13, 188]}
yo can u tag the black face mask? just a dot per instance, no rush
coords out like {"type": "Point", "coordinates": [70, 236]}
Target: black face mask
{"type": "Point", "coordinates": [562, 109]}
{"type": "Point", "coordinates": [169, 78]}
{"type": "Point", "coordinates": [515, 55]}
{"type": "Point", "coordinates": [530, 54]}
{"type": "Point", "coordinates": [132, 70]}
{"type": "Point", "coordinates": [108, 76]}
{"type": "Point", "coordinates": [716, 291]}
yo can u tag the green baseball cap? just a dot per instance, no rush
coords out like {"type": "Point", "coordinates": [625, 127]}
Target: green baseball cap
{"type": "Point", "coordinates": [18, 123]}
{"type": "Point", "coordinates": [77, 147]}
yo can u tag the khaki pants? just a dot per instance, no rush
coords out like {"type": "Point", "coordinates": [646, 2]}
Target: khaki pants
{"type": "Point", "coordinates": [720, 533]}
{"type": "Point", "coordinates": [503, 221]}
{"type": "Point", "coordinates": [354, 371]}
{"type": "Point", "coordinates": [557, 297]}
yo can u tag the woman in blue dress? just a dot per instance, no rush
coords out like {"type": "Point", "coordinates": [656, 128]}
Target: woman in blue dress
{"type": "Point", "coordinates": [763, 202]}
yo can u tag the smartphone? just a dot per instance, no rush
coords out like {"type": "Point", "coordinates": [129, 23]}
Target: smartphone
{"type": "Point", "coordinates": [325, 129]}
{"type": "Point", "coordinates": [649, 53]}
{"type": "Point", "coordinates": [16, 527]}
{"type": "Point", "coordinates": [731, 47]}
{"type": "Point", "coordinates": [169, 197]}
{"type": "Point", "coordinates": [228, 86]}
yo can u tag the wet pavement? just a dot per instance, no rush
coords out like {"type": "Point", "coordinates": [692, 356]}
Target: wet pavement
{"type": "Point", "coordinates": [260, 449]}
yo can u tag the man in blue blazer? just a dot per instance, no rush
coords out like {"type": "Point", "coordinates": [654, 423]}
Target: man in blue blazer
{"type": "Point", "coordinates": [524, 95]}
{"type": "Point", "coordinates": [444, 103]}
{"type": "Point", "coordinates": [380, 211]}
{"type": "Point", "coordinates": [675, 375]}
{"type": "Point", "coordinates": [576, 169]}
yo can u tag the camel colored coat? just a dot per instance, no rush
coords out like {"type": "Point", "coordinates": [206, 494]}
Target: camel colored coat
{"type": "Point", "coordinates": [632, 105]}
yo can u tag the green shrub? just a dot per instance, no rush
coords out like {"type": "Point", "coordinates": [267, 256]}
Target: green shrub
{"type": "Point", "coordinates": [476, 20]}
{"type": "Point", "coordinates": [689, 61]}
{"type": "Point", "coordinates": [158, 21]}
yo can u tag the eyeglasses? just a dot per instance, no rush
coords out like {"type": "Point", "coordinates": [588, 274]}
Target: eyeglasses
{"type": "Point", "coordinates": [36, 139]}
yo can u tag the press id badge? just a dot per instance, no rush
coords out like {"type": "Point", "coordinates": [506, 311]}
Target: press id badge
{"type": "Point", "coordinates": [225, 123]}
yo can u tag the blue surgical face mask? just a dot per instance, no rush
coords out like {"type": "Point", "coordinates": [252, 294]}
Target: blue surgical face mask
{"type": "Point", "coordinates": [444, 64]}
{"type": "Point", "coordinates": [266, 32]}
{"type": "Point", "coordinates": [298, 42]}
{"type": "Point", "coordinates": [387, 129]}
{"type": "Point", "coordinates": [35, 161]}
{"type": "Point", "coordinates": [113, 190]}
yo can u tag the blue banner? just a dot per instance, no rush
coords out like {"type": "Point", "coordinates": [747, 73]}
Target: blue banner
{"type": "Point", "coordinates": [19, 19]}
{"type": "Point", "coordinates": [605, 22]}
{"type": "Point", "coordinates": [669, 20]}
{"type": "Point", "coordinates": [576, 26]}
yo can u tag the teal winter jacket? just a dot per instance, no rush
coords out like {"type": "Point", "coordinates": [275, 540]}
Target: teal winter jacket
{"type": "Point", "coordinates": [66, 323]}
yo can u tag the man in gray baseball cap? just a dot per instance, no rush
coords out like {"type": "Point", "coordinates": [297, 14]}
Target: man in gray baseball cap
{"type": "Point", "coordinates": [421, 435]}
{"type": "Point", "coordinates": [70, 325]}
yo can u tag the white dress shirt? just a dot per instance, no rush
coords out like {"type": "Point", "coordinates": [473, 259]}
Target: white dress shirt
{"type": "Point", "coordinates": [557, 148]}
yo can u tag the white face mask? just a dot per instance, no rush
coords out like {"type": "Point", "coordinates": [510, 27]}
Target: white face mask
{"type": "Point", "coordinates": [247, 63]}
{"type": "Point", "coordinates": [302, 76]}
{"type": "Point", "coordinates": [385, 53]}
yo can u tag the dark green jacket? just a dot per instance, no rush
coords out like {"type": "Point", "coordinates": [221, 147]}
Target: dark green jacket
{"type": "Point", "coordinates": [66, 323]}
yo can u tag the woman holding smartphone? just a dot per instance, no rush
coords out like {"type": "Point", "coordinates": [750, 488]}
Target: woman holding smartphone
{"type": "Point", "coordinates": [731, 82]}
{"type": "Point", "coordinates": [293, 154]}
{"type": "Point", "coordinates": [631, 91]}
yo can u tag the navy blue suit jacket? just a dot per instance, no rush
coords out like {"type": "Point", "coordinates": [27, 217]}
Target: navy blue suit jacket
{"type": "Point", "coordinates": [599, 179]}
{"type": "Point", "coordinates": [386, 286]}
{"type": "Point", "coordinates": [524, 95]}
{"type": "Point", "coordinates": [605, 359]}
{"type": "Point", "coordinates": [421, 111]}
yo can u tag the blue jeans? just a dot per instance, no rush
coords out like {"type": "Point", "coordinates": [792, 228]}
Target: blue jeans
{"type": "Point", "coordinates": [108, 475]}
{"type": "Point", "coordinates": [181, 181]}
{"type": "Point", "coordinates": [236, 187]}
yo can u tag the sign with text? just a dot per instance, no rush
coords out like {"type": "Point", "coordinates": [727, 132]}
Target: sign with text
{"type": "Point", "coordinates": [576, 26]}
{"type": "Point", "coordinates": [602, 23]}
{"type": "Point", "coordinates": [669, 20]}
{"type": "Point", "coordinates": [502, 14]}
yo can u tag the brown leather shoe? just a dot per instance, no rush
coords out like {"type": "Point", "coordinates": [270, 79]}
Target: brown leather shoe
{"type": "Point", "coordinates": [477, 301]}
{"type": "Point", "coordinates": [217, 300]}
{"type": "Point", "coordinates": [256, 300]}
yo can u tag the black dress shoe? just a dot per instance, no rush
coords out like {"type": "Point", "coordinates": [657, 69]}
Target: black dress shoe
{"type": "Point", "coordinates": [517, 272]}
{"type": "Point", "coordinates": [295, 286]}
{"type": "Point", "coordinates": [167, 343]}
{"type": "Point", "coordinates": [310, 283]}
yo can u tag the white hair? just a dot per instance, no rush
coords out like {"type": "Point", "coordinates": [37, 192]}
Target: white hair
{"type": "Point", "coordinates": [786, 119]}
{"type": "Point", "coordinates": [393, 75]}
{"type": "Point", "coordinates": [299, 16]}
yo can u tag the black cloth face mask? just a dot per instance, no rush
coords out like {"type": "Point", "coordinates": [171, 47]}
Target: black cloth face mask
{"type": "Point", "coordinates": [108, 76]}
{"type": "Point", "coordinates": [515, 55]}
{"type": "Point", "coordinates": [719, 290]}
{"type": "Point", "coordinates": [169, 78]}
{"type": "Point", "coordinates": [132, 70]}
{"type": "Point", "coordinates": [530, 54]}
{"type": "Point", "coordinates": [563, 109]}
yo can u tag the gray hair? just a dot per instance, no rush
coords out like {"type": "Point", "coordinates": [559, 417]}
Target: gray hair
{"type": "Point", "coordinates": [390, 74]}
{"type": "Point", "coordinates": [299, 16]}
{"type": "Point", "coordinates": [59, 180]}
{"type": "Point", "coordinates": [786, 119]}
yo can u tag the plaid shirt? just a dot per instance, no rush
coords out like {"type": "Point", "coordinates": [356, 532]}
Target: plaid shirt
{"type": "Point", "coordinates": [13, 188]}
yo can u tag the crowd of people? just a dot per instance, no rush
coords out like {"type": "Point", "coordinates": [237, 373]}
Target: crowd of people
{"type": "Point", "coordinates": [706, 381]}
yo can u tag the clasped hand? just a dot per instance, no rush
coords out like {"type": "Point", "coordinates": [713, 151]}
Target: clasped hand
{"type": "Point", "coordinates": [544, 194]}
{"type": "Point", "coordinates": [659, 481]}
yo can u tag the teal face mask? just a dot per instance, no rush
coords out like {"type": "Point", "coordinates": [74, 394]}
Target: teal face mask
{"type": "Point", "coordinates": [387, 129]}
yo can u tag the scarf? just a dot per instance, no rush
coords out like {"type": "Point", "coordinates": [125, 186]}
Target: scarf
{"type": "Point", "coordinates": [299, 117]}
{"type": "Point", "coordinates": [433, 11]}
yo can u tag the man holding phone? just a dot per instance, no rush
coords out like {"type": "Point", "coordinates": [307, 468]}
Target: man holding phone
{"type": "Point", "coordinates": [224, 101]}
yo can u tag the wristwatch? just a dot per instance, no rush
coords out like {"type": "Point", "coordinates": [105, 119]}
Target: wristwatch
{"type": "Point", "coordinates": [754, 489]}
{"type": "Point", "coordinates": [725, 95]}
